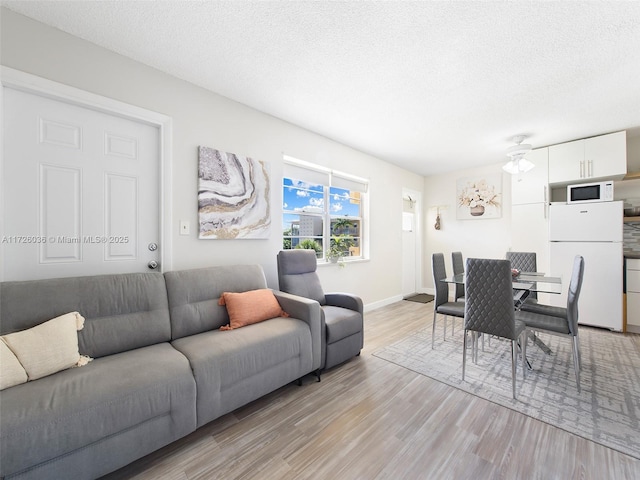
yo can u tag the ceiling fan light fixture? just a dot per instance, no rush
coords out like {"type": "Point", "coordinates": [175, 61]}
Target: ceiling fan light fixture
{"type": "Point", "coordinates": [518, 164]}
{"type": "Point", "coordinates": [520, 149]}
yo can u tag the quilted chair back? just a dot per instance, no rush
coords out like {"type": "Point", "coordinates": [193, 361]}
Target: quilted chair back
{"type": "Point", "coordinates": [523, 261]}
{"type": "Point", "coordinates": [458, 268]}
{"type": "Point", "coordinates": [575, 285]}
{"type": "Point", "coordinates": [489, 298]}
{"type": "Point", "coordinates": [439, 272]}
{"type": "Point", "coordinates": [297, 274]}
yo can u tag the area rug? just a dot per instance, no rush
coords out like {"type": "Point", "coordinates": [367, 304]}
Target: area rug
{"type": "Point", "coordinates": [420, 298]}
{"type": "Point", "coordinates": [607, 411]}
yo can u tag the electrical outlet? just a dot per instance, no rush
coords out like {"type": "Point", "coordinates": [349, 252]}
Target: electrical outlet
{"type": "Point", "coordinates": [184, 227]}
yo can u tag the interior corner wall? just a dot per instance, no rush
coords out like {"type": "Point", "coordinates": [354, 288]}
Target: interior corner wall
{"type": "Point", "coordinates": [479, 238]}
{"type": "Point", "coordinates": [633, 154]}
{"type": "Point", "coordinates": [201, 117]}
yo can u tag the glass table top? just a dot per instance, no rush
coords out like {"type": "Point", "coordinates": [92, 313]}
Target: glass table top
{"type": "Point", "coordinates": [532, 281]}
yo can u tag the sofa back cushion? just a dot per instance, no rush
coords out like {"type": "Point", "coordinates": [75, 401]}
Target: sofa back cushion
{"type": "Point", "coordinates": [122, 312]}
{"type": "Point", "coordinates": [194, 294]}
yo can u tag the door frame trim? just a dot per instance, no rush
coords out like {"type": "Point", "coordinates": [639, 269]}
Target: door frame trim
{"type": "Point", "coordinates": [419, 232]}
{"type": "Point", "coordinates": [26, 82]}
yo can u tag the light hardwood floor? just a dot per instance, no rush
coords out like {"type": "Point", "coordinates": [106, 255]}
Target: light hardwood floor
{"type": "Point", "coordinates": [370, 419]}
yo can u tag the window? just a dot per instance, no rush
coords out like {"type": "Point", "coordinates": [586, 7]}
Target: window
{"type": "Point", "coordinates": [323, 210]}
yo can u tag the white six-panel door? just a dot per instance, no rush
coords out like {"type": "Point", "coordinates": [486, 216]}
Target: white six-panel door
{"type": "Point", "coordinates": [80, 190]}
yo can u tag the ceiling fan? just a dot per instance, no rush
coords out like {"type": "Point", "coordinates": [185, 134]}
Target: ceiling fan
{"type": "Point", "coordinates": [518, 164]}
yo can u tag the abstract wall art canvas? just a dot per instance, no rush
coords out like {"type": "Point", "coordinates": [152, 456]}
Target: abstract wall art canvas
{"type": "Point", "coordinates": [479, 198]}
{"type": "Point", "coordinates": [233, 196]}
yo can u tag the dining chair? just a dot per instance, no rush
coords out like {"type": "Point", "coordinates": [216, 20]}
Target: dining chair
{"type": "Point", "coordinates": [524, 262]}
{"type": "Point", "coordinates": [559, 321]}
{"type": "Point", "coordinates": [458, 268]}
{"type": "Point", "coordinates": [441, 303]}
{"type": "Point", "coordinates": [489, 308]}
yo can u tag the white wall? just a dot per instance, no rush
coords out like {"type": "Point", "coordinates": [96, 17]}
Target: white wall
{"type": "Point", "coordinates": [633, 153]}
{"type": "Point", "coordinates": [204, 118]}
{"type": "Point", "coordinates": [481, 238]}
{"type": "Point", "coordinates": [486, 238]}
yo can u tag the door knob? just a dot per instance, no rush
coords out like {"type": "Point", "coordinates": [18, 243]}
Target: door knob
{"type": "Point", "coordinates": [153, 246]}
{"type": "Point", "coordinates": [152, 264]}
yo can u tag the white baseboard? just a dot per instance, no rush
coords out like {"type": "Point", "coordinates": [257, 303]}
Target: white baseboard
{"type": "Point", "coordinates": [382, 303]}
{"type": "Point", "coordinates": [633, 328]}
{"type": "Point", "coordinates": [396, 298]}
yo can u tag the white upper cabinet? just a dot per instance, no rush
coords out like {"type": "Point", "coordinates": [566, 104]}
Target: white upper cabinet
{"type": "Point", "coordinates": [606, 156]}
{"type": "Point", "coordinates": [566, 162]}
{"type": "Point", "coordinates": [532, 186]}
{"type": "Point", "coordinates": [596, 158]}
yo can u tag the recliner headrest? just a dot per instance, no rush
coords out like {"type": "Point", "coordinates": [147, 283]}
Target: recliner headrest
{"type": "Point", "coordinates": [297, 261]}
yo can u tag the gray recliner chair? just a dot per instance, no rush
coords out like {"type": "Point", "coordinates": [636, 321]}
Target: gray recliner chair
{"type": "Point", "coordinates": [342, 313]}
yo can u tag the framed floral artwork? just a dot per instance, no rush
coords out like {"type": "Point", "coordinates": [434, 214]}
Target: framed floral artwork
{"type": "Point", "coordinates": [479, 197]}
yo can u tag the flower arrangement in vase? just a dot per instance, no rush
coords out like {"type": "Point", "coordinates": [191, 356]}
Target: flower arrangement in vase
{"type": "Point", "coordinates": [477, 195]}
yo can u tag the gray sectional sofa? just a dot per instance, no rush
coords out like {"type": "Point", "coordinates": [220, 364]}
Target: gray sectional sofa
{"type": "Point", "coordinates": [161, 369]}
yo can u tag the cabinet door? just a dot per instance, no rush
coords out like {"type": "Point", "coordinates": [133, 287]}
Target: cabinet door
{"type": "Point", "coordinates": [606, 155]}
{"type": "Point", "coordinates": [566, 162]}
{"type": "Point", "coordinates": [530, 232]}
{"type": "Point", "coordinates": [531, 186]}
{"type": "Point", "coordinates": [633, 294]}
{"type": "Point", "coordinates": [633, 280]}
{"type": "Point", "coordinates": [633, 309]}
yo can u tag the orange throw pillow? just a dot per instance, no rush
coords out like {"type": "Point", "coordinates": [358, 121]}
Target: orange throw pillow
{"type": "Point", "coordinates": [250, 307]}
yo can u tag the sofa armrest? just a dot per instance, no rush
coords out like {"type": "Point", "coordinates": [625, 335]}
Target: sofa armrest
{"type": "Point", "coordinates": [308, 311]}
{"type": "Point", "coordinates": [344, 300]}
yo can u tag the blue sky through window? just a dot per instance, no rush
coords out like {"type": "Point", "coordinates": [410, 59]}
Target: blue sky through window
{"type": "Point", "coordinates": [301, 197]}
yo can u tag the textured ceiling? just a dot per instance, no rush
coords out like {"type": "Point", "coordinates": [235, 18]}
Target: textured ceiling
{"type": "Point", "coordinates": [430, 86]}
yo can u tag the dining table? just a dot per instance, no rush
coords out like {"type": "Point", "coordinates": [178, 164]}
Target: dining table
{"type": "Point", "coordinates": [523, 284]}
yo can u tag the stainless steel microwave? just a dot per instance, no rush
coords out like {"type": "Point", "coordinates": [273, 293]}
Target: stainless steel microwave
{"type": "Point", "coordinates": [590, 192]}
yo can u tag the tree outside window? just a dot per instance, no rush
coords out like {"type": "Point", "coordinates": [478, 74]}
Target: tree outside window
{"type": "Point", "coordinates": [323, 218]}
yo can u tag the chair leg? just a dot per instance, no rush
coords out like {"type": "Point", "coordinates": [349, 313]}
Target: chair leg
{"type": "Point", "coordinates": [433, 330]}
{"type": "Point", "coordinates": [513, 367]}
{"type": "Point", "coordinates": [464, 353]}
{"type": "Point", "coordinates": [523, 352]}
{"type": "Point", "coordinates": [444, 334]}
{"type": "Point", "coordinates": [576, 361]}
{"type": "Point", "coordinates": [473, 346]}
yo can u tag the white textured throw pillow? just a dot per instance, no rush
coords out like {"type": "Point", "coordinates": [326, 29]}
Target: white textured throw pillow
{"type": "Point", "coordinates": [11, 372]}
{"type": "Point", "coordinates": [49, 347]}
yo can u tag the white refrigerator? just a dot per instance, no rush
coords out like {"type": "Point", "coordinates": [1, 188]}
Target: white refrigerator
{"type": "Point", "coordinates": [593, 230]}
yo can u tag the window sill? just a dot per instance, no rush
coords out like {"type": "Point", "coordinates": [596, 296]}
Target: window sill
{"type": "Point", "coordinates": [342, 262]}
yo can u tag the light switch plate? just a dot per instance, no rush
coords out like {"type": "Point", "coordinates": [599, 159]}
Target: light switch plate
{"type": "Point", "coordinates": [184, 227]}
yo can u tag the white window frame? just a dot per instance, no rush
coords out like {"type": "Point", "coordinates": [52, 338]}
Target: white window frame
{"type": "Point", "coordinates": [297, 169]}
